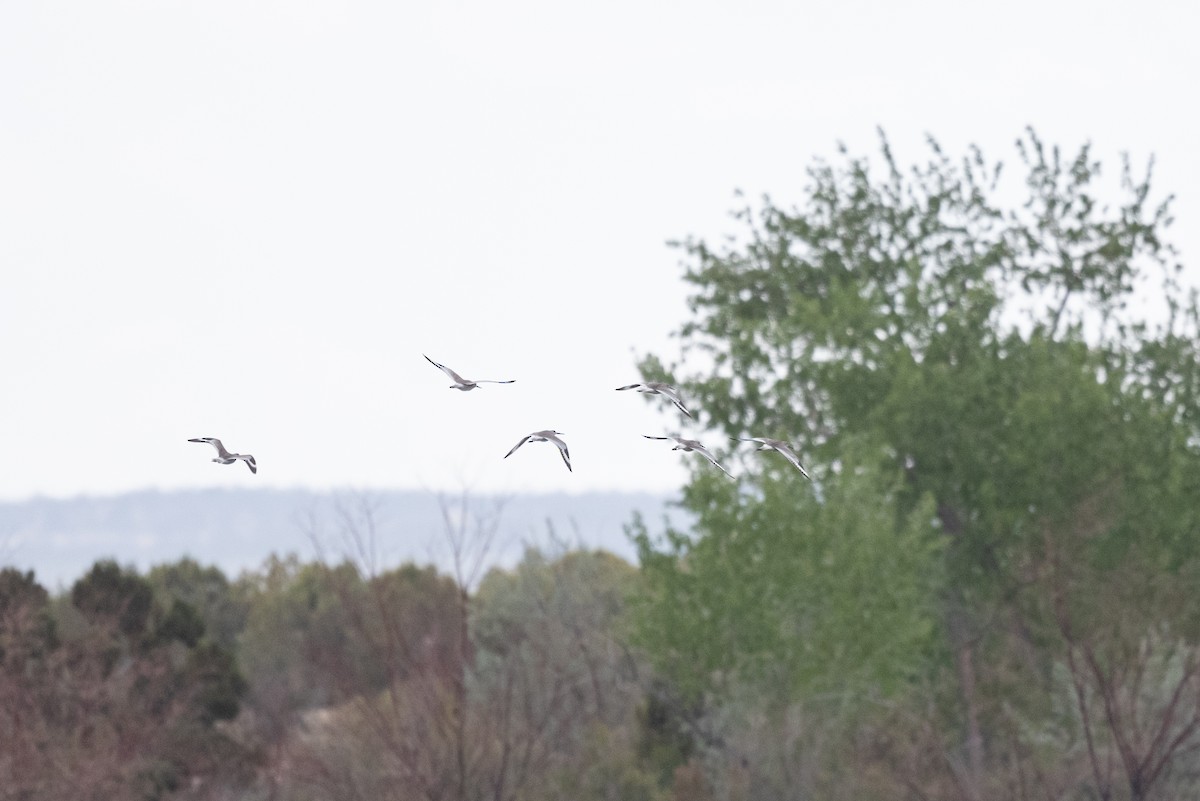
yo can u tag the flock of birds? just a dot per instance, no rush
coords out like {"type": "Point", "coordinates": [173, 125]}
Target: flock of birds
{"type": "Point", "coordinates": [549, 435]}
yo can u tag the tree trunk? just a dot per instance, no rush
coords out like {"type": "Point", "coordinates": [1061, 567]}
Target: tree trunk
{"type": "Point", "coordinates": [964, 662]}
{"type": "Point", "coordinates": [964, 657]}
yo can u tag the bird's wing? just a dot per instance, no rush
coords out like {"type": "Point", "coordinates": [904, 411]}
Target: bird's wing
{"type": "Point", "coordinates": [673, 394]}
{"type": "Point", "coordinates": [628, 386]}
{"type": "Point", "coordinates": [487, 381]}
{"type": "Point", "coordinates": [703, 451]}
{"type": "Point", "coordinates": [791, 456]}
{"type": "Point", "coordinates": [524, 439]}
{"type": "Point", "coordinates": [249, 460]}
{"type": "Point", "coordinates": [562, 451]}
{"type": "Point", "coordinates": [455, 376]}
{"type": "Point", "coordinates": [647, 436]}
{"type": "Point", "coordinates": [216, 443]}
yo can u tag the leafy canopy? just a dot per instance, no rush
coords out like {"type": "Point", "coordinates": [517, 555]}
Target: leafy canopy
{"type": "Point", "coordinates": [1011, 359]}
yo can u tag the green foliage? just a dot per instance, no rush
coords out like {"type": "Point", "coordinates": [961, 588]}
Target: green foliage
{"type": "Point", "coordinates": [583, 592]}
{"type": "Point", "coordinates": [109, 595]}
{"type": "Point", "coordinates": [156, 780]}
{"type": "Point", "coordinates": [27, 627]}
{"type": "Point", "coordinates": [414, 611]}
{"type": "Point", "coordinates": [1001, 358]}
{"type": "Point", "coordinates": [564, 620]}
{"type": "Point", "coordinates": [663, 742]}
{"type": "Point", "coordinates": [317, 635]}
{"type": "Point", "coordinates": [219, 686]}
{"type": "Point", "coordinates": [181, 623]}
{"type": "Point", "coordinates": [989, 349]}
{"type": "Point", "coordinates": [811, 595]}
{"type": "Point", "coordinates": [553, 667]}
{"type": "Point", "coordinates": [207, 591]}
{"type": "Point", "coordinates": [294, 612]}
{"type": "Point", "coordinates": [884, 305]}
{"type": "Point", "coordinates": [607, 770]}
{"type": "Point", "coordinates": [18, 590]}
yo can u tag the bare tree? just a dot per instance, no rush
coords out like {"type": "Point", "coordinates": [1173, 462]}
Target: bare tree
{"type": "Point", "coordinates": [468, 708]}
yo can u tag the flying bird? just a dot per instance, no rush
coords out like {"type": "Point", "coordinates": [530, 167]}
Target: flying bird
{"type": "Point", "coordinates": [459, 381]}
{"type": "Point", "coordinates": [545, 436]}
{"type": "Point", "coordinates": [682, 444]}
{"type": "Point", "coordinates": [225, 457]}
{"type": "Point", "coordinates": [658, 388]}
{"type": "Point", "coordinates": [768, 444]}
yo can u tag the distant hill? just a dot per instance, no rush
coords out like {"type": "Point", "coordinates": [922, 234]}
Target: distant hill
{"type": "Point", "coordinates": [238, 529]}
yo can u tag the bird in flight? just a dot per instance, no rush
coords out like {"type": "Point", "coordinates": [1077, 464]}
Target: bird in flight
{"type": "Point", "coordinates": [545, 436]}
{"type": "Point", "coordinates": [658, 388]}
{"type": "Point", "coordinates": [682, 444]}
{"type": "Point", "coordinates": [225, 457]}
{"type": "Point", "coordinates": [459, 381]}
{"type": "Point", "coordinates": [768, 444]}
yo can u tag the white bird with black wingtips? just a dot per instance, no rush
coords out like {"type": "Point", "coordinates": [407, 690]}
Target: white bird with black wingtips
{"type": "Point", "coordinates": [546, 436]}
{"type": "Point", "coordinates": [461, 383]}
{"type": "Point", "coordinates": [778, 445]}
{"type": "Point", "coordinates": [225, 457]}
{"type": "Point", "coordinates": [682, 444]}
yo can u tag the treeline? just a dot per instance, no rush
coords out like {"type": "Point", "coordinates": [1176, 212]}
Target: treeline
{"type": "Point", "coordinates": [325, 679]}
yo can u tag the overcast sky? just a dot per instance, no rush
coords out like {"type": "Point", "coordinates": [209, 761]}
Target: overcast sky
{"type": "Point", "coordinates": [249, 220]}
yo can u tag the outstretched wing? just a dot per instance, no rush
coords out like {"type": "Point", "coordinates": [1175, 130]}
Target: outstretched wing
{"type": "Point", "coordinates": [216, 443]}
{"type": "Point", "coordinates": [458, 379]}
{"type": "Point", "coordinates": [524, 439]}
{"type": "Point", "coordinates": [487, 381]}
{"type": "Point", "coordinates": [703, 451]}
{"type": "Point", "coordinates": [563, 452]}
{"type": "Point", "coordinates": [249, 460]}
{"type": "Point", "coordinates": [628, 386]}
{"type": "Point", "coordinates": [673, 394]}
{"type": "Point", "coordinates": [791, 456]}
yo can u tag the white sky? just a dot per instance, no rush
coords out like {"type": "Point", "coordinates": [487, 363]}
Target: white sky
{"type": "Point", "coordinates": [249, 219]}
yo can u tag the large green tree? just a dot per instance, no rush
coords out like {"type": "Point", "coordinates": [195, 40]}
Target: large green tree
{"type": "Point", "coordinates": [1020, 355]}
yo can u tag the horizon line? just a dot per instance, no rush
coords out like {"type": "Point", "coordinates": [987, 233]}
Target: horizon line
{"type": "Point", "coordinates": [85, 495]}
